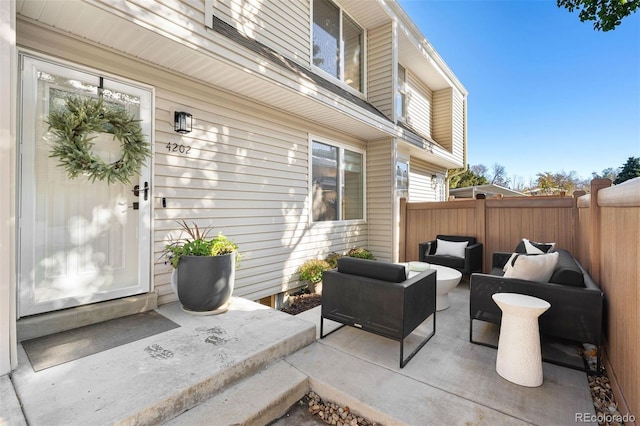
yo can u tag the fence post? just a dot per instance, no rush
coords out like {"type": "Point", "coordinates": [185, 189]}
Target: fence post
{"type": "Point", "coordinates": [402, 238]}
{"type": "Point", "coordinates": [481, 228]}
{"type": "Point", "coordinates": [596, 240]}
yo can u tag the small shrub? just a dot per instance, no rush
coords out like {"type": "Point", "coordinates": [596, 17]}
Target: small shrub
{"type": "Point", "coordinates": [332, 259]}
{"type": "Point", "coordinates": [312, 270]}
{"type": "Point", "coordinates": [360, 253]}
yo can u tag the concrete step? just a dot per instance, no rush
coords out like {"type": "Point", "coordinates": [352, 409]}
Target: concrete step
{"type": "Point", "coordinates": [384, 395]}
{"type": "Point", "coordinates": [155, 379]}
{"type": "Point", "coordinates": [256, 400]}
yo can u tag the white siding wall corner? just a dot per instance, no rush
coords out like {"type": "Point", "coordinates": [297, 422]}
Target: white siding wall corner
{"type": "Point", "coordinates": [419, 105]}
{"type": "Point", "coordinates": [458, 126]}
{"type": "Point", "coordinates": [442, 118]}
{"type": "Point", "coordinates": [380, 198]}
{"type": "Point", "coordinates": [8, 67]}
{"type": "Point", "coordinates": [381, 84]}
{"type": "Point", "coordinates": [284, 26]}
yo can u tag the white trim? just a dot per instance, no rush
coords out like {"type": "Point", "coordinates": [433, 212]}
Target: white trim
{"type": "Point", "coordinates": [8, 340]}
{"type": "Point", "coordinates": [208, 13]}
{"type": "Point", "coordinates": [342, 146]}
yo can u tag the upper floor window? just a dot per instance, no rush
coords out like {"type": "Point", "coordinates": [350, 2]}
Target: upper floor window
{"type": "Point", "coordinates": [401, 94]}
{"type": "Point", "coordinates": [337, 176]}
{"type": "Point", "coordinates": [337, 44]}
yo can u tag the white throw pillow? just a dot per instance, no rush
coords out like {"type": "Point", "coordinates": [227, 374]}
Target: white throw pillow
{"type": "Point", "coordinates": [451, 248]}
{"type": "Point", "coordinates": [532, 247]}
{"type": "Point", "coordinates": [534, 268]}
{"type": "Point", "coordinates": [509, 265]}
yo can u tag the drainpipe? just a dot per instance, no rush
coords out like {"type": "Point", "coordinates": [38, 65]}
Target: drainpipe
{"type": "Point", "coordinates": [464, 154]}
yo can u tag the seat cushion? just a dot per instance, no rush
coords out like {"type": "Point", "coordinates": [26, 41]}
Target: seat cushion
{"type": "Point", "coordinates": [450, 261]}
{"type": "Point", "coordinates": [372, 269]}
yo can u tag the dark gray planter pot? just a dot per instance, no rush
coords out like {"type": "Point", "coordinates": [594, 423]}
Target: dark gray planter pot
{"type": "Point", "coordinates": [205, 283]}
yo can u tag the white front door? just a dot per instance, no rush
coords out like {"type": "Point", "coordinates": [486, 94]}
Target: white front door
{"type": "Point", "coordinates": [79, 241]}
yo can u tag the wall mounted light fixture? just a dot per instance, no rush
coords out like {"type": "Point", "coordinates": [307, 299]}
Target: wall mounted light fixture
{"type": "Point", "coordinates": [434, 181]}
{"type": "Point", "coordinates": [182, 122]}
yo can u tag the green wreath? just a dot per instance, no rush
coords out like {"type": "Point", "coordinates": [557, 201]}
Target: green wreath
{"type": "Point", "coordinates": [73, 127]}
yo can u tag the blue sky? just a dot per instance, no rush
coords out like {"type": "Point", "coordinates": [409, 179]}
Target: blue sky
{"type": "Point", "coordinates": [547, 93]}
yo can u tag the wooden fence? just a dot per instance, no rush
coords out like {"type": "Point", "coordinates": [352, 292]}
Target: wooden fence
{"type": "Point", "coordinates": [609, 226]}
{"type": "Point", "coordinates": [498, 224]}
{"type": "Point", "coordinates": [601, 229]}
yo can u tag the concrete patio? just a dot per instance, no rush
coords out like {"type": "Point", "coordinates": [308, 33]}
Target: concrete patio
{"type": "Point", "coordinates": [251, 364]}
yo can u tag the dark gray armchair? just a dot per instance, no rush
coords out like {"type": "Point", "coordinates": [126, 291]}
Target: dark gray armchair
{"type": "Point", "coordinates": [472, 261]}
{"type": "Point", "coordinates": [378, 297]}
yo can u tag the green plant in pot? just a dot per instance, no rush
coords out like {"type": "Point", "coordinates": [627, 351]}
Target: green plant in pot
{"type": "Point", "coordinates": [204, 269]}
{"type": "Point", "coordinates": [311, 272]}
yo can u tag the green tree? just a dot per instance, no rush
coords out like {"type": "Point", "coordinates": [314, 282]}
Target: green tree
{"type": "Point", "coordinates": [467, 178]}
{"type": "Point", "coordinates": [606, 14]}
{"type": "Point", "coordinates": [630, 170]}
{"type": "Point", "coordinates": [609, 173]}
{"type": "Point", "coordinates": [551, 183]}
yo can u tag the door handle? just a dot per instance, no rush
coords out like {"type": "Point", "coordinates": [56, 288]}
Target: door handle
{"type": "Point", "coordinates": [145, 190]}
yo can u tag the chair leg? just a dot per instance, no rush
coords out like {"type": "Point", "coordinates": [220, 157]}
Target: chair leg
{"type": "Point", "coordinates": [404, 362]}
{"type": "Point", "coordinates": [322, 335]}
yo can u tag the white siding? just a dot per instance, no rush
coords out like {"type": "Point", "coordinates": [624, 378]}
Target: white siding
{"type": "Point", "coordinates": [458, 127]}
{"type": "Point", "coordinates": [419, 105]}
{"type": "Point", "coordinates": [443, 118]}
{"type": "Point", "coordinates": [380, 198]}
{"type": "Point", "coordinates": [381, 86]}
{"type": "Point", "coordinates": [421, 187]}
{"type": "Point", "coordinates": [284, 26]}
{"type": "Point", "coordinates": [246, 176]}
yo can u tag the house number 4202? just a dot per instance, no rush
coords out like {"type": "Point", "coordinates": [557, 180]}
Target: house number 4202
{"type": "Point", "coordinates": [182, 149]}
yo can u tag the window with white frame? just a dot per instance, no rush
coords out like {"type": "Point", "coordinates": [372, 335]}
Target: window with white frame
{"type": "Point", "coordinates": [338, 44]}
{"type": "Point", "coordinates": [337, 176]}
{"type": "Point", "coordinates": [402, 179]}
{"type": "Point", "coordinates": [401, 94]}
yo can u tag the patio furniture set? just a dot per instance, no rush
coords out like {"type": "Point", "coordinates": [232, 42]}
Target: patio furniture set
{"type": "Point", "coordinates": [537, 290]}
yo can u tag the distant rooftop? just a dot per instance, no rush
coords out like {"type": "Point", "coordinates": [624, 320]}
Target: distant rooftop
{"type": "Point", "coordinates": [490, 190]}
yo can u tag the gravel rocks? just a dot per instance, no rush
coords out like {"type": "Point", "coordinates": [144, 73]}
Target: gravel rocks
{"type": "Point", "coordinates": [604, 402]}
{"type": "Point", "coordinates": [332, 413]}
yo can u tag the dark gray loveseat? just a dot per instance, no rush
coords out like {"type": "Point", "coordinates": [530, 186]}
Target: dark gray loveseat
{"type": "Point", "coordinates": [577, 303]}
{"type": "Point", "coordinates": [377, 297]}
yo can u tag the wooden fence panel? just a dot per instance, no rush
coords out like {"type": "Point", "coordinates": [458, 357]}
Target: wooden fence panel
{"type": "Point", "coordinates": [423, 221]}
{"type": "Point", "coordinates": [619, 259]}
{"type": "Point", "coordinates": [542, 220]}
{"type": "Point", "coordinates": [498, 224]}
{"type": "Point", "coordinates": [583, 232]}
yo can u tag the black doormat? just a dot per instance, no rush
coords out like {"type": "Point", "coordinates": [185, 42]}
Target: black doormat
{"type": "Point", "coordinates": [56, 349]}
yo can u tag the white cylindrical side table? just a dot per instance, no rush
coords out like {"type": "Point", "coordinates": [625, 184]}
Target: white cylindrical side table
{"type": "Point", "coordinates": [519, 354]}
